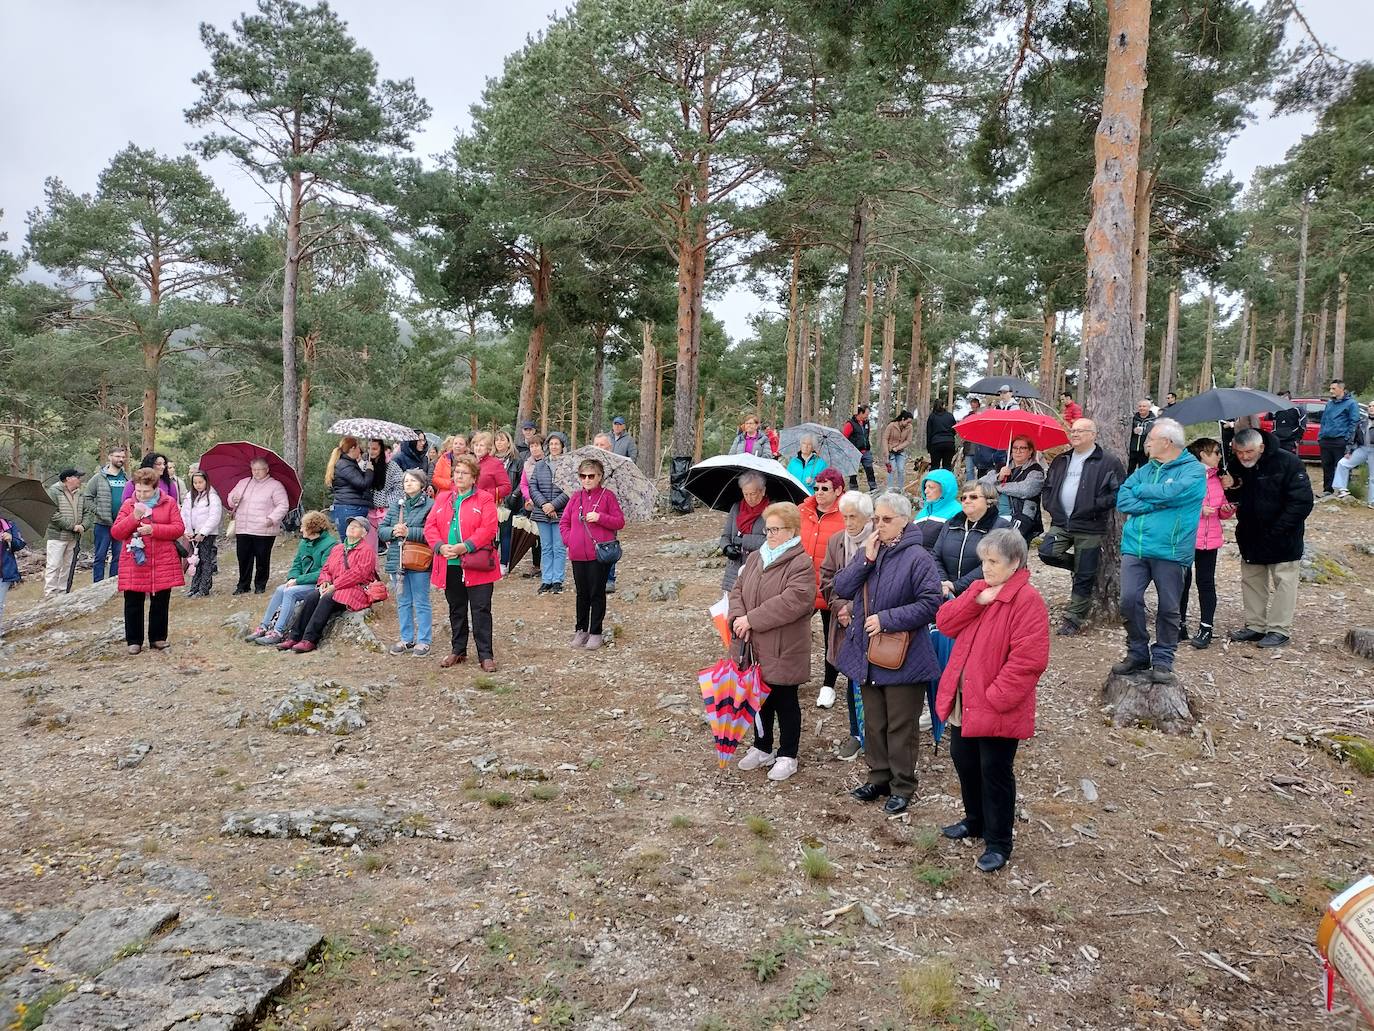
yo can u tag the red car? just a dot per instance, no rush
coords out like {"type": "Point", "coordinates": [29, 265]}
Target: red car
{"type": "Point", "coordinates": [1307, 446]}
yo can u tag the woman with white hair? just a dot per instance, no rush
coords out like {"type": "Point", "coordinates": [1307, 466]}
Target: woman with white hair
{"type": "Point", "coordinates": [895, 589]}
{"type": "Point", "coordinates": [807, 463]}
{"type": "Point", "coordinates": [743, 533]}
{"type": "Point", "coordinates": [843, 547]}
{"type": "Point", "coordinates": [1001, 632]}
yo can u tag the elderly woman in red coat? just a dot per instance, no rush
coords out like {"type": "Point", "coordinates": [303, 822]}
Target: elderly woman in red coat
{"type": "Point", "coordinates": [342, 587]}
{"type": "Point", "coordinates": [148, 524]}
{"type": "Point", "coordinates": [462, 529]}
{"type": "Point", "coordinates": [1001, 632]}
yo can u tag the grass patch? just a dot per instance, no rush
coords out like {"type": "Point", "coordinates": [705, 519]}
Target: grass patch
{"type": "Point", "coordinates": [486, 682]}
{"type": "Point", "coordinates": [471, 782]}
{"type": "Point", "coordinates": [926, 841]}
{"type": "Point", "coordinates": [134, 948]}
{"type": "Point", "coordinates": [359, 784]}
{"type": "Point", "coordinates": [33, 1015]}
{"type": "Point", "coordinates": [625, 788]}
{"type": "Point", "coordinates": [220, 771]}
{"type": "Point", "coordinates": [766, 962]}
{"type": "Point", "coordinates": [498, 799]}
{"type": "Point", "coordinates": [544, 792]}
{"type": "Point", "coordinates": [759, 827]}
{"type": "Point", "coordinates": [595, 764]}
{"type": "Point", "coordinates": [1279, 898]}
{"type": "Point", "coordinates": [373, 863]}
{"type": "Point", "coordinates": [681, 822]}
{"type": "Point", "coordinates": [816, 865]}
{"type": "Point", "coordinates": [935, 876]}
{"type": "Point", "coordinates": [149, 846]}
{"type": "Point", "coordinates": [805, 996]}
{"type": "Point", "coordinates": [498, 942]}
{"type": "Point", "coordinates": [928, 990]}
{"type": "Point", "coordinates": [647, 860]}
{"type": "Point", "coordinates": [1359, 751]}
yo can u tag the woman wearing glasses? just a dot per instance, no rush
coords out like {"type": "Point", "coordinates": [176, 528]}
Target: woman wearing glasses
{"type": "Point", "coordinates": [956, 549]}
{"type": "Point", "coordinates": [1019, 484]}
{"type": "Point", "coordinates": [591, 517]}
{"type": "Point", "coordinates": [820, 520]}
{"type": "Point", "coordinates": [770, 615]}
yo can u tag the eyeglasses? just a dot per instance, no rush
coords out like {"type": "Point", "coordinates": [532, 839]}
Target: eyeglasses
{"type": "Point", "coordinates": [1020, 447]}
{"type": "Point", "coordinates": [885, 519]}
{"type": "Point", "coordinates": [970, 497]}
{"type": "Point", "coordinates": [770, 530]}
{"type": "Point", "coordinates": [589, 476]}
{"type": "Point", "coordinates": [824, 488]}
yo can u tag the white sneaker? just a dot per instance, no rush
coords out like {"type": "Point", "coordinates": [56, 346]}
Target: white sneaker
{"type": "Point", "coordinates": [782, 769]}
{"type": "Point", "coordinates": [1342, 494]}
{"type": "Point", "coordinates": [826, 699]}
{"type": "Point", "coordinates": [753, 759]}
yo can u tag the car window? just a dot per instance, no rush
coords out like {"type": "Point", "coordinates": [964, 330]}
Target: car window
{"type": "Point", "coordinates": [1315, 408]}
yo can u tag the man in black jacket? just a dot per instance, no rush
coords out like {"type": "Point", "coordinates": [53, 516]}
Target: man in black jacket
{"type": "Point", "coordinates": [1273, 497]}
{"type": "Point", "coordinates": [1289, 425]}
{"type": "Point", "coordinates": [1141, 422]}
{"type": "Point", "coordinates": [1079, 495]}
{"type": "Point", "coordinates": [858, 432]}
{"type": "Point", "coordinates": [940, 436]}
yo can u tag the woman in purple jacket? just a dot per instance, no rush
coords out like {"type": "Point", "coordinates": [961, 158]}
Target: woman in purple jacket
{"type": "Point", "coordinates": [895, 586]}
{"type": "Point", "coordinates": [591, 517]}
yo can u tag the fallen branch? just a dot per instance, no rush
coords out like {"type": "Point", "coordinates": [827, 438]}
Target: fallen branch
{"type": "Point", "coordinates": [628, 1003]}
{"type": "Point", "coordinates": [1221, 964]}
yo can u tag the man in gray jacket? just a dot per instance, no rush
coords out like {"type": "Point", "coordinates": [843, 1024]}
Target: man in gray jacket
{"type": "Point", "coordinates": [103, 492]}
{"type": "Point", "coordinates": [621, 442]}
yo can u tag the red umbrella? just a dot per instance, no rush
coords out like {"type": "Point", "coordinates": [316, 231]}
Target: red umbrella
{"type": "Point", "coordinates": [997, 428]}
{"type": "Point", "coordinates": [225, 464]}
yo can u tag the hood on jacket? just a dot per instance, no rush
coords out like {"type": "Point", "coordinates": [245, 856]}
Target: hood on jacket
{"type": "Point", "coordinates": [948, 505]}
{"type": "Point", "coordinates": [558, 435]}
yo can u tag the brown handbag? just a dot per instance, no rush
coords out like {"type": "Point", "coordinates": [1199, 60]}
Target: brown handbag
{"type": "Point", "coordinates": [887, 649]}
{"type": "Point", "coordinates": [416, 557]}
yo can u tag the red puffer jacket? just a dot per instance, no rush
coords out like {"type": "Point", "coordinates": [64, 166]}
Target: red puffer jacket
{"type": "Point", "coordinates": [350, 572]}
{"type": "Point", "coordinates": [816, 530]}
{"type": "Point", "coordinates": [1000, 652]}
{"type": "Point", "coordinates": [476, 526]}
{"type": "Point", "coordinates": [162, 570]}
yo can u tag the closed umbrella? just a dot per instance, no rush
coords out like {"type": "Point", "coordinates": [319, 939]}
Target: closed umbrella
{"type": "Point", "coordinates": [1226, 403]}
{"type": "Point", "coordinates": [715, 481]}
{"type": "Point", "coordinates": [832, 445]}
{"type": "Point", "coordinates": [225, 464]}
{"type": "Point", "coordinates": [997, 428]}
{"type": "Point", "coordinates": [25, 502]}
{"type": "Point", "coordinates": [367, 429]}
{"type": "Point", "coordinates": [994, 385]}
{"type": "Point", "coordinates": [635, 492]}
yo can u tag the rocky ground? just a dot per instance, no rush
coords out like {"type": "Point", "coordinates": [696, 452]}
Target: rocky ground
{"type": "Point", "coordinates": [553, 845]}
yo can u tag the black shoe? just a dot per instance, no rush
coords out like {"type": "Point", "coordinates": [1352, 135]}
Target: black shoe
{"type": "Point", "coordinates": [259, 590]}
{"type": "Point", "coordinates": [1245, 634]}
{"type": "Point", "coordinates": [544, 589]}
{"type": "Point", "coordinates": [1183, 634]}
{"type": "Point", "coordinates": [557, 589]}
{"type": "Point", "coordinates": [1069, 628]}
{"type": "Point", "coordinates": [990, 861]}
{"type": "Point", "coordinates": [958, 831]}
{"type": "Point", "coordinates": [1203, 638]}
{"type": "Point", "coordinates": [1162, 675]}
{"type": "Point", "coordinates": [1273, 640]}
{"type": "Point", "coordinates": [1128, 666]}
{"type": "Point", "coordinates": [610, 587]}
{"type": "Point", "coordinates": [896, 805]}
{"type": "Point", "coordinates": [870, 792]}
{"type": "Point", "coordinates": [240, 590]}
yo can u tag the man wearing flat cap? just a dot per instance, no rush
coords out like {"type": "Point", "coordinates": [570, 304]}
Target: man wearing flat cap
{"type": "Point", "coordinates": [74, 513]}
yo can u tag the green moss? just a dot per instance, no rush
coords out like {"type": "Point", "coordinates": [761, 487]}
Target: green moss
{"type": "Point", "coordinates": [1327, 571]}
{"type": "Point", "coordinates": [37, 1011]}
{"type": "Point", "coordinates": [1359, 750]}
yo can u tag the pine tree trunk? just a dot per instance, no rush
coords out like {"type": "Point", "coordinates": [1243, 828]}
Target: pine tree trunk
{"type": "Point", "coordinates": [952, 374]}
{"type": "Point", "coordinates": [915, 376]}
{"type": "Point", "coordinates": [889, 356]}
{"type": "Point", "coordinates": [1252, 349]}
{"type": "Point", "coordinates": [658, 409]}
{"type": "Point", "coordinates": [691, 282]}
{"type": "Point", "coordinates": [803, 370]}
{"type": "Point", "coordinates": [1319, 379]}
{"type": "Point", "coordinates": [541, 288]}
{"type": "Point", "coordinates": [863, 379]}
{"type": "Point", "coordinates": [1140, 247]}
{"type": "Point", "coordinates": [648, 370]}
{"type": "Point", "coordinates": [598, 378]}
{"type": "Point", "coordinates": [1295, 369]}
{"type": "Point", "coordinates": [1046, 380]}
{"type": "Point", "coordinates": [290, 445]}
{"type": "Point", "coordinates": [1168, 358]}
{"type": "Point", "coordinates": [1242, 355]}
{"type": "Point", "coordinates": [849, 314]}
{"type": "Point", "coordinates": [544, 400]}
{"type": "Point", "coordinates": [700, 433]}
{"type": "Point", "coordinates": [1205, 376]}
{"type": "Point", "coordinates": [1275, 362]}
{"type": "Point", "coordinates": [819, 338]}
{"type": "Point", "coordinates": [1338, 344]}
{"type": "Point", "coordinates": [791, 407]}
{"type": "Point", "coordinates": [1113, 352]}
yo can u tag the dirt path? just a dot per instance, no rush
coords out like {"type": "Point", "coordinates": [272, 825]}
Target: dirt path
{"type": "Point", "coordinates": [637, 887]}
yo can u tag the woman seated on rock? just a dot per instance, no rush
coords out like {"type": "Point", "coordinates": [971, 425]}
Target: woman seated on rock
{"type": "Point", "coordinates": [342, 585]}
{"type": "Point", "coordinates": [311, 554]}
{"type": "Point", "coordinates": [1001, 632]}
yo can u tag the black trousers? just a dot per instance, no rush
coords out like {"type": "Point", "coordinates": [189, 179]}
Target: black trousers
{"type": "Point", "coordinates": [866, 464]}
{"type": "Point", "coordinates": [204, 576]}
{"type": "Point", "coordinates": [1134, 461]}
{"type": "Point", "coordinates": [254, 551]}
{"type": "Point", "coordinates": [781, 702]}
{"type": "Point", "coordinates": [314, 615]}
{"type": "Point", "coordinates": [1205, 562]}
{"type": "Point", "coordinates": [831, 673]}
{"type": "Point", "coordinates": [158, 605]}
{"type": "Point", "coordinates": [1332, 452]}
{"type": "Point", "coordinates": [942, 457]}
{"type": "Point", "coordinates": [590, 579]}
{"type": "Point", "coordinates": [987, 783]}
{"type": "Point", "coordinates": [460, 599]}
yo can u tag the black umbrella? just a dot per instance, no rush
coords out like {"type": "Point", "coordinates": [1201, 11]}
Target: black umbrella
{"type": "Point", "coordinates": [994, 385]}
{"type": "Point", "coordinates": [715, 481]}
{"type": "Point", "coordinates": [25, 502]}
{"type": "Point", "coordinates": [1226, 403]}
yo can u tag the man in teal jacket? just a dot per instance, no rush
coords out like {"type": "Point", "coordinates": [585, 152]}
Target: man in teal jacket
{"type": "Point", "coordinates": [1162, 501]}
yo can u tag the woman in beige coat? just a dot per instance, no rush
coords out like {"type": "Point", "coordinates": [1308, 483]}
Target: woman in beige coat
{"type": "Point", "coordinates": [857, 509]}
{"type": "Point", "coordinates": [770, 614]}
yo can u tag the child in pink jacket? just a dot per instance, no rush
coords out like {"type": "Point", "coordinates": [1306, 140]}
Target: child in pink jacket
{"type": "Point", "coordinates": [1215, 508]}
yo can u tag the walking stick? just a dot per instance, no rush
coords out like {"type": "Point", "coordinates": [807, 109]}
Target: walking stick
{"type": "Point", "coordinates": [71, 573]}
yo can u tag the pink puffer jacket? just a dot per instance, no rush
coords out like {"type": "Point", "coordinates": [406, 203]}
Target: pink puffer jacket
{"type": "Point", "coordinates": [1209, 536]}
{"type": "Point", "coordinates": [259, 506]}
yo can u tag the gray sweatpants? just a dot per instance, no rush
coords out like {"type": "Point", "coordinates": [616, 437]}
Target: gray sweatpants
{"type": "Point", "coordinates": [1136, 575]}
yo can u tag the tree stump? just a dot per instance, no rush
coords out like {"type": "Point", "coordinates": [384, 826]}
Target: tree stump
{"type": "Point", "coordinates": [1360, 640]}
{"type": "Point", "coordinates": [1136, 702]}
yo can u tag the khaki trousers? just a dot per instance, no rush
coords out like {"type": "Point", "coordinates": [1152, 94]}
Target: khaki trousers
{"type": "Point", "coordinates": [58, 565]}
{"type": "Point", "coordinates": [1269, 595]}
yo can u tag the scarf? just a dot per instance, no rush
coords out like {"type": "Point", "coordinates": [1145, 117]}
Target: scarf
{"type": "Point", "coordinates": [769, 554]}
{"type": "Point", "coordinates": [852, 544]}
{"type": "Point", "coordinates": [748, 514]}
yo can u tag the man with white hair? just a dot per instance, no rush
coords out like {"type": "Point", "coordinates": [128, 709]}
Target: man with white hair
{"type": "Point", "coordinates": [1162, 502]}
{"type": "Point", "coordinates": [1273, 496]}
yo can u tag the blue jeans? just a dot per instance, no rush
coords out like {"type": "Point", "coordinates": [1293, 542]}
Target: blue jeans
{"type": "Point", "coordinates": [283, 603]}
{"type": "Point", "coordinates": [1351, 462]}
{"type": "Point", "coordinates": [413, 608]}
{"type": "Point", "coordinates": [341, 514]}
{"type": "Point", "coordinates": [610, 577]}
{"type": "Point", "coordinates": [1136, 575]}
{"type": "Point", "coordinates": [105, 546]}
{"type": "Point", "coordinates": [4, 590]}
{"type": "Point", "coordinates": [554, 553]}
{"type": "Point", "coordinates": [969, 465]}
{"type": "Point", "coordinates": [897, 459]}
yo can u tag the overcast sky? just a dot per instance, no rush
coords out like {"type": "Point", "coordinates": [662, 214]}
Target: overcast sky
{"type": "Point", "coordinates": [79, 79]}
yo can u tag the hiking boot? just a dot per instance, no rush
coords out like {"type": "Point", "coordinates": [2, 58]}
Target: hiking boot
{"type": "Point", "coordinates": [1069, 628]}
{"type": "Point", "coordinates": [270, 638]}
{"type": "Point", "coordinates": [1273, 640]}
{"type": "Point", "coordinates": [754, 758]}
{"type": "Point", "coordinates": [1183, 634]}
{"type": "Point", "coordinates": [1342, 495]}
{"type": "Point", "coordinates": [258, 631]}
{"type": "Point", "coordinates": [579, 639]}
{"type": "Point", "coordinates": [1128, 665]}
{"type": "Point", "coordinates": [544, 589]}
{"type": "Point", "coordinates": [593, 642]}
{"type": "Point", "coordinates": [896, 805]}
{"type": "Point", "coordinates": [1162, 675]}
{"type": "Point", "coordinates": [400, 648]}
{"type": "Point", "coordinates": [783, 768]}
{"type": "Point", "coordinates": [610, 587]}
{"type": "Point", "coordinates": [990, 862]}
{"type": "Point", "coordinates": [870, 792]}
{"type": "Point", "coordinates": [301, 647]}
{"type": "Point", "coordinates": [849, 751]}
{"type": "Point", "coordinates": [286, 644]}
{"type": "Point", "coordinates": [1203, 638]}
{"type": "Point", "coordinates": [1245, 634]}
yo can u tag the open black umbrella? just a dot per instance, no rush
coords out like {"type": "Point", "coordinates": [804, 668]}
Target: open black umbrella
{"type": "Point", "coordinates": [1226, 403]}
{"type": "Point", "coordinates": [715, 481]}
{"type": "Point", "coordinates": [994, 385]}
{"type": "Point", "coordinates": [25, 502]}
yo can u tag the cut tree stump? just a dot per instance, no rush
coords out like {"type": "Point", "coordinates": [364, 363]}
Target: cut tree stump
{"type": "Point", "coordinates": [1360, 640]}
{"type": "Point", "coordinates": [1133, 701]}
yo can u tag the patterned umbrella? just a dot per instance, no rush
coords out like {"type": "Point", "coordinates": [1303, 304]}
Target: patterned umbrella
{"type": "Point", "coordinates": [367, 429]}
{"type": "Point", "coordinates": [733, 697]}
{"type": "Point", "coordinates": [25, 502]}
{"type": "Point", "coordinates": [225, 464]}
{"type": "Point", "coordinates": [831, 444]}
{"type": "Point", "coordinates": [636, 492]}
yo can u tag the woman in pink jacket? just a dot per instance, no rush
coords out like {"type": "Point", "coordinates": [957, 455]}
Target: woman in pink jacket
{"type": "Point", "coordinates": [591, 517]}
{"type": "Point", "coordinates": [1215, 508]}
{"type": "Point", "coordinates": [1001, 632]}
{"type": "Point", "coordinates": [259, 504]}
{"type": "Point", "coordinates": [342, 586]}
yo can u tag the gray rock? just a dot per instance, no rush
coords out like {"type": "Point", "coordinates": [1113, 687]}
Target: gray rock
{"type": "Point", "coordinates": [327, 707]}
{"type": "Point", "coordinates": [226, 993]}
{"type": "Point", "coordinates": [21, 989]}
{"type": "Point", "coordinates": [325, 825]}
{"type": "Point", "coordinates": [1321, 567]}
{"type": "Point", "coordinates": [628, 596]}
{"type": "Point", "coordinates": [673, 701]}
{"type": "Point", "coordinates": [102, 935]}
{"type": "Point", "coordinates": [665, 590]}
{"type": "Point", "coordinates": [62, 608]}
{"type": "Point", "coordinates": [1364, 548]}
{"type": "Point", "coordinates": [233, 720]}
{"type": "Point", "coordinates": [352, 628]}
{"type": "Point", "coordinates": [690, 549]}
{"type": "Point", "coordinates": [92, 1012]}
{"type": "Point", "coordinates": [24, 671]}
{"type": "Point", "coordinates": [240, 624]}
{"type": "Point", "coordinates": [258, 941]}
{"type": "Point", "coordinates": [180, 879]}
{"type": "Point", "coordinates": [36, 928]}
{"type": "Point", "coordinates": [135, 756]}
{"type": "Point", "coordinates": [1089, 790]}
{"type": "Point", "coordinates": [711, 563]}
{"type": "Point", "coordinates": [521, 771]}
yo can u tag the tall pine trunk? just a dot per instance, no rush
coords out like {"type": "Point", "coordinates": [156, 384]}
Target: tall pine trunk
{"type": "Point", "coordinates": [863, 378]}
{"type": "Point", "coordinates": [690, 281]}
{"type": "Point", "coordinates": [1238, 375]}
{"type": "Point", "coordinates": [849, 313]}
{"type": "Point", "coordinates": [1168, 357]}
{"type": "Point", "coordinates": [541, 287]}
{"type": "Point", "coordinates": [598, 378]}
{"type": "Point", "coordinates": [290, 445]}
{"type": "Point", "coordinates": [791, 407]}
{"type": "Point", "coordinates": [1049, 321]}
{"type": "Point", "coordinates": [1338, 344]}
{"type": "Point", "coordinates": [887, 371]}
{"type": "Point", "coordinates": [1205, 376]}
{"type": "Point", "coordinates": [819, 337]}
{"type": "Point", "coordinates": [1319, 379]}
{"type": "Point", "coordinates": [1295, 368]}
{"type": "Point", "coordinates": [648, 375]}
{"type": "Point", "coordinates": [916, 374]}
